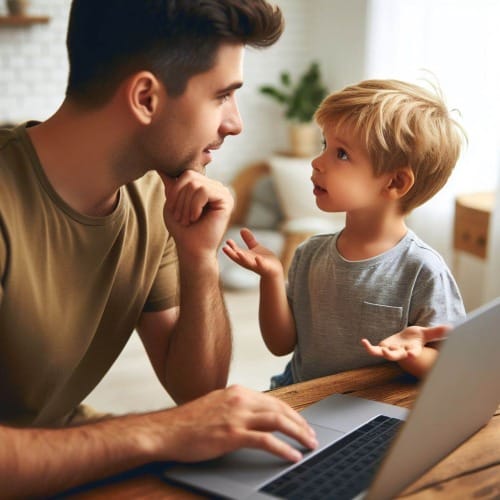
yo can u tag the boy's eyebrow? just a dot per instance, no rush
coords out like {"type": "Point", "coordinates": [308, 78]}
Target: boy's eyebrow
{"type": "Point", "coordinates": [344, 142]}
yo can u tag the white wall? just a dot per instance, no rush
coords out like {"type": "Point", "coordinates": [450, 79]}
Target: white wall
{"type": "Point", "coordinates": [263, 129]}
{"type": "Point", "coordinates": [492, 280]}
{"type": "Point", "coordinates": [33, 63]}
{"type": "Point", "coordinates": [33, 73]}
{"type": "Point", "coordinates": [338, 38]}
{"type": "Point", "coordinates": [33, 70]}
{"type": "Point", "coordinates": [457, 40]}
{"type": "Point", "coordinates": [332, 32]}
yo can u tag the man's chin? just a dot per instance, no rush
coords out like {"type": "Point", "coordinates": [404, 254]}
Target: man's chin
{"type": "Point", "coordinates": [177, 172]}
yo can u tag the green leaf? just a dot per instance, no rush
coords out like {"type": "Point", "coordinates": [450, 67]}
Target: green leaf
{"type": "Point", "coordinates": [302, 99]}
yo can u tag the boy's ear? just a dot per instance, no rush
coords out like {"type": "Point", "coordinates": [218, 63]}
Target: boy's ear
{"type": "Point", "coordinates": [143, 96]}
{"type": "Point", "coordinates": [400, 182]}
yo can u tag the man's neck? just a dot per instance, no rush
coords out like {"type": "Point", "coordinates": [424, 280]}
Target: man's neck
{"type": "Point", "coordinates": [76, 152]}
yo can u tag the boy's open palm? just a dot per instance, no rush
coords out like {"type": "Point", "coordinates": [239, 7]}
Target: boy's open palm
{"type": "Point", "coordinates": [407, 343]}
{"type": "Point", "coordinates": [257, 258]}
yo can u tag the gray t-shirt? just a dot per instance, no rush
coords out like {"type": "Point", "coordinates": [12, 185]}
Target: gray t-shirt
{"type": "Point", "coordinates": [337, 302]}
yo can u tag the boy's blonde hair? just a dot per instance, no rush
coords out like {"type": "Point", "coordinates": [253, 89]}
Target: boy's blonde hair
{"type": "Point", "coordinates": [401, 125]}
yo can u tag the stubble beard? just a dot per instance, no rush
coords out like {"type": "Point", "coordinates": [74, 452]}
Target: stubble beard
{"type": "Point", "coordinates": [191, 163]}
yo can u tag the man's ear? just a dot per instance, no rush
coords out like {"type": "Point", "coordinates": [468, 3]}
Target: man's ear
{"type": "Point", "coordinates": [143, 96]}
{"type": "Point", "coordinates": [400, 182]}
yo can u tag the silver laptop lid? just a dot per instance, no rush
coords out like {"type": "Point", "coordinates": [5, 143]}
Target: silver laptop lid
{"type": "Point", "coordinates": [458, 397]}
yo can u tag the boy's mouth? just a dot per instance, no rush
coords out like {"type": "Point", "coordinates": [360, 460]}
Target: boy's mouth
{"type": "Point", "coordinates": [317, 189]}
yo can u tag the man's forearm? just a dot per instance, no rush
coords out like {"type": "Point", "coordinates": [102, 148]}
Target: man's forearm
{"type": "Point", "coordinates": [41, 462]}
{"type": "Point", "coordinates": [199, 350]}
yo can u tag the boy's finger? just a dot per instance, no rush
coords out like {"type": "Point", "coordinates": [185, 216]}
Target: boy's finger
{"type": "Point", "coordinates": [249, 238]}
{"type": "Point", "coordinates": [436, 332]}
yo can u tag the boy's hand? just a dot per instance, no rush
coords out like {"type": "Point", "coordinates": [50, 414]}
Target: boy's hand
{"type": "Point", "coordinates": [257, 258]}
{"type": "Point", "coordinates": [407, 343]}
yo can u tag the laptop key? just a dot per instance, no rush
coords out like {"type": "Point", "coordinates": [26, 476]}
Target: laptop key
{"type": "Point", "coordinates": [342, 469]}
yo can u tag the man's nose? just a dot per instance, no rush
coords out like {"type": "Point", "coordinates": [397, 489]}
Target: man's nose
{"type": "Point", "coordinates": [232, 123]}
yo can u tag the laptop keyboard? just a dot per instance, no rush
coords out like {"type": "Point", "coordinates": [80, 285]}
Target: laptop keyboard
{"type": "Point", "coordinates": [343, 469]}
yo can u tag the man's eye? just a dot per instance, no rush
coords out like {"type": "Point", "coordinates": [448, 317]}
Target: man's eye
{"type": "Point", "coordinates": [225, 97]}
{"type": "Point", "coordinates": [341, 154]}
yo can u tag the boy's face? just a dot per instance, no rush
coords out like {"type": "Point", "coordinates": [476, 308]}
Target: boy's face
{"type": "Point", "coordinates": [189, 127]}
{"type": "Point", "coordinates": [343, 175]}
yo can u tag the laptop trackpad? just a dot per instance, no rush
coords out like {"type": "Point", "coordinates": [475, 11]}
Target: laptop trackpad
{"type": "Point", "coordinates": [254, 467]}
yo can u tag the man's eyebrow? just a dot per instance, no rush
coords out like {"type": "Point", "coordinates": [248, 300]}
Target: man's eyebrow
{"type": "Point", "coordinates": [230, 88]}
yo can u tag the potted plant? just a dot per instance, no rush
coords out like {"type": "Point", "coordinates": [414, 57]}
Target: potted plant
{"type": "Point", "coordinates": [300, 99]}
{"type": "Point", "coordinates": [17, 7]}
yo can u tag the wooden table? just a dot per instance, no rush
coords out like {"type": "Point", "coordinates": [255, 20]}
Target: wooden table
{"type": "Point", "coordinates": [471, 471]}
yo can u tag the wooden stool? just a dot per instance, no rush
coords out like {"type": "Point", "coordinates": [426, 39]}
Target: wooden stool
{"type": "Point", "coordinates": [471, 226]}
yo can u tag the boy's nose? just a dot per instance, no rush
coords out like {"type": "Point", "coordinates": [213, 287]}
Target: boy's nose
{"type": "Point", "coordinates": [316, 164]}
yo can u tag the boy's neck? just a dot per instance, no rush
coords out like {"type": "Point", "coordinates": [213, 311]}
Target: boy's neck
{"type": "Point", "coordinates": [364, 237]}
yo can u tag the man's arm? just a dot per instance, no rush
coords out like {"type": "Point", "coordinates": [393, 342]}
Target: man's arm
{"type": "Point", "coordinates": [190, 347]}
{"type": "Point", "coordinates": [41, 462]}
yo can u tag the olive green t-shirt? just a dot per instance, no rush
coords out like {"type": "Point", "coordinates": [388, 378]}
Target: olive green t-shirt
{"type": "Point", "coordinates": [72, 287]}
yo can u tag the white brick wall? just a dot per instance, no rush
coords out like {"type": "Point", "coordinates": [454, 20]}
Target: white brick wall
{"type": "Point", "coordinates": [33, 73]}
{"type": "Point", "coordinates": [33, 63]}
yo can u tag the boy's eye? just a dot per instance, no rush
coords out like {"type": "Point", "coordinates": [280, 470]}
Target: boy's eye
{"type": "Point", "coordinates": [341, 154]}
{"type": "Point", "coordinates": [323, 144]}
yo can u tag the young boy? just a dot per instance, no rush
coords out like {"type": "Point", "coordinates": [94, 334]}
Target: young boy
{"type": "Point", "coordinates": [374, 291]}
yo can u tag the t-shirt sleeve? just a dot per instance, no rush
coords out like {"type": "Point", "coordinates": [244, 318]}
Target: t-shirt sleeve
{"type": "Point", "coordinates": [436, 299]}
{"type": "Point", "coordinates": [292, 275]}
{"type": "Point", "coordinates": [3, 261]}
{"type": "Point", "coordinates": [164, 292]}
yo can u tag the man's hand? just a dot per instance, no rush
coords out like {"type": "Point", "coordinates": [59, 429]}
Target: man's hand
{"type": "Point", "coordinates": [257, 258]}
{"type": "Point", "coordinates": [228, 419]}
{"type": "Point", "coordinates": [196, 212]}
{"type": "Point", "coordinates": [407, 343]}
{"type": "Point", "coordinates": [220, 422]}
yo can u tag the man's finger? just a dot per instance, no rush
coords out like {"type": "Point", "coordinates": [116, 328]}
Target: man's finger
{"type": "Point", "coordinates": [270, 421]}
{"type": "Point", "coordinates": [269, 442]}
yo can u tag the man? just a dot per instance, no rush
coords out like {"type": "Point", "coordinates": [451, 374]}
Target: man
{"type": "Point", "coordinates": [87, 248]}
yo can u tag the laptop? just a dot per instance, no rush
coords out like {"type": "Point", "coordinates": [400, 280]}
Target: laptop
{"type": "Point", "coordinates": [465, 377]}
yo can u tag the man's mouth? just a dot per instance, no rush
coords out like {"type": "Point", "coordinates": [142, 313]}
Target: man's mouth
{"type": "Point", "coordinates": [213, 147]}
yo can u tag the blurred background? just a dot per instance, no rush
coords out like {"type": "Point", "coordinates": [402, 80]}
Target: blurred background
{"type": "Point", "coordinates": [451, 42]}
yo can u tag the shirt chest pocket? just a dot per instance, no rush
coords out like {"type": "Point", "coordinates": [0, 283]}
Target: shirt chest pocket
{"type": "Point", "coordinates": [378, 321]}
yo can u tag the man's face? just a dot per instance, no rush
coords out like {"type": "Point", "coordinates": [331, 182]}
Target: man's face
{"type": "Point", "coordinates": [189, 127]}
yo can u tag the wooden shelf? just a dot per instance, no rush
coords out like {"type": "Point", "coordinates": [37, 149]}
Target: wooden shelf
{"type": "Point", "coordinates": [22, 20]}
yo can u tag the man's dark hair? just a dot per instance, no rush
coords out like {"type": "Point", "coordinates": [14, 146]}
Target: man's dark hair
{"type": "Point", "coordinates": [174, 39]}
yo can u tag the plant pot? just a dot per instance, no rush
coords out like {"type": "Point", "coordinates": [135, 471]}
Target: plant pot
{"type": "Point", "coordinates": [17, 7]}
{"type": "Point", "coordinates": [304, 139]}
